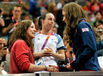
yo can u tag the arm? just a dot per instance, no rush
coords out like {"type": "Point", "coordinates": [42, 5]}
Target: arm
{"type": "Point", "coordinates": [5, 30]}
{"type": "Point", "coordinates": [33, 68]}
{"type": "Point", "coordinates": [22, 55]}
{"type": "Point", "coordinates": [38, 54]}
{"type": "Point", "coordinates": [25, 6]}
{"type": "Point", "coordinates": [60, 55]}
{"type": "Point", "coordinates": [2, 22]}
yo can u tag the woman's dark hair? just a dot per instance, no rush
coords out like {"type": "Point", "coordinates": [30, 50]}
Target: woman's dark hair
{"type": "Point", "coordinates": [21, 33]}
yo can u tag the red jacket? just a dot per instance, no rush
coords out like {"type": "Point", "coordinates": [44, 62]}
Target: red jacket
{"type": "Point", "coordinates": [20, 57]}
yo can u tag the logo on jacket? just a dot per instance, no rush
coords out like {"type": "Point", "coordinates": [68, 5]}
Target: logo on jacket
{"type": "Point", "coordinates": [85, 29]}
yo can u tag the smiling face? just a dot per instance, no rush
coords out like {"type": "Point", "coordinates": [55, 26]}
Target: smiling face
{"type": "Point", "coordinates": [31, 31]}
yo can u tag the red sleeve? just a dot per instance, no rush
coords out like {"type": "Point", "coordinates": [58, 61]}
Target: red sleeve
{"type": "Point", "coordinates": [22, 58]}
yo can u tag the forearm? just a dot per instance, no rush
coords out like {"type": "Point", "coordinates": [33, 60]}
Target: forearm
{"type": "Point", "coordinates": [34, 68]}
{"type": "Point", "coordinates": [37, 55]}
{"type": "Point", "coordinates": [26, 7]}
{"type": "Point", "coordinates": [60, 57]}
{"type": "Point", "coordinates": [2, 22]}
{"type": "Point", "coordinates": [6, 30]}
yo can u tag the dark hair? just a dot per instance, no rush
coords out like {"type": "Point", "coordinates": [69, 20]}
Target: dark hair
{"type": "Point", "coordinates": [17, 5]}
{"type": "Point", "coordinates": [0, 10]}
{"type": "Point", "coordinates": [21, 33]}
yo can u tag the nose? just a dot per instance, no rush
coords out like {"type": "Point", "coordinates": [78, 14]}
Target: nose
{"type": "Point", "coordinates": [63, 19]}
{"type": "Point", "coordinates": [52, 22]}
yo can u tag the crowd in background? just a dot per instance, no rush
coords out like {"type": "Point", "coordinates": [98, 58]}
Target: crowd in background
{"type": "Point", "coordinates": [13, 12]}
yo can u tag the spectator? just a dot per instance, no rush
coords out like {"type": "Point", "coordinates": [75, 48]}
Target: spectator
{"type": "Point", "coordinates": [48, 46]}
{"type": "Point", "coordinates": [25, 6]}
{"type": "Point", "coordinates": [82, 38]}
{"type": "Point", "coordinates": [10, 24]}
{"type": "Point", "coordinates": [21, 53]}
{"type": "Point", "coordinates": [98, 19]}
{"type": "Point", "coordinates": [95, 7]}
{"type": "Point", "coordinates": [3, 52]}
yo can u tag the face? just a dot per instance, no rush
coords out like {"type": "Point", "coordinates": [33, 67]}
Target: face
{"type": "Point", "coordinates": [17, 12]}
{"type": "Point", "coordinates": [98, 16]}
{"type": "Point", "coordinates": [3, 43]}
{"type": "Point", "coordinates": [48, 22]}
{"type": "Point", "coordinates": [64, 17]}
{"type": "Point", "coordinates": [31, 31]}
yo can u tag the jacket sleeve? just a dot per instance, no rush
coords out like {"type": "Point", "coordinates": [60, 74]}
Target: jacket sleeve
{"type": "Point", "coordinates": [21, 53]}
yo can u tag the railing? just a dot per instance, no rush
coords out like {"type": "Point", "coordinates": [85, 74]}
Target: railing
{"type": "Point", "coordinates": [59, 74]}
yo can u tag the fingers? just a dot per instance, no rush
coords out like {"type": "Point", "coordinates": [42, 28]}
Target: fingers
{"type": "Point", "coordinates": [52, 69]}
{"type": "Point", "coordinates": [47, 52]}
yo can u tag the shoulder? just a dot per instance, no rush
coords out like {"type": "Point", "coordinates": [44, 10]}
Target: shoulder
{"type": "Point", "coordinates": [19, 42]}
{"type": "Point", "coordinates": [58, 37]}
{"type": "Point", "coordinates": [84, 24]}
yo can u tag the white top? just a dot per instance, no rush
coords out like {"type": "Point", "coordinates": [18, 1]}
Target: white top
{"type": "Point", "coordinates": [55, 42]}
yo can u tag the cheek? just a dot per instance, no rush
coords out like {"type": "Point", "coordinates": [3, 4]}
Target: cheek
{"type": "Point", "coordinates": [28, 31]}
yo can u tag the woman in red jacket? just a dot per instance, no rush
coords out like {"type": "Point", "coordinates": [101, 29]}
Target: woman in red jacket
{"type": "Point", "coordinates": [21, 54]}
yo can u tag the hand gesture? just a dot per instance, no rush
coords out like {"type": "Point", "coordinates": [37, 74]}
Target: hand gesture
{"type": "Point", "coordinates": [52, 68]}
{"type": "Point", "coordinates": [47, 52]}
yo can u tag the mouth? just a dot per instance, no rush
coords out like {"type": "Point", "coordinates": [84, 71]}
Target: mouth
{"type": "Point", "coordinates": [33, 33]}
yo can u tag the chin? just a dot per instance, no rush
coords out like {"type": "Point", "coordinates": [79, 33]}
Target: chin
{"type": "Point", "coordinates": [31, 37]}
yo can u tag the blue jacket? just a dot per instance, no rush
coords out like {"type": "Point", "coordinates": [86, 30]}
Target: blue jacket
{"type": "Point", "coordinates": [84, 47]}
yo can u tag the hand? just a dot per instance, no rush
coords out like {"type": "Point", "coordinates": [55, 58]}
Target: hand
{"type": "Point", "coordinates": [47, 52]}
{"type": "Point", "coordinates": [3, 51]}
{"type": "Point", "coordinates": [52, 68]}
{"type": "Point", "coordinates": [11, 26]}
{"type": "Point", "coordinates": [69, 66]}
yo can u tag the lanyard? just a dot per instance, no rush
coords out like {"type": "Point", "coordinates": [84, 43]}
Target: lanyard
{"type": "Point", "coordinates": [14, 21]}
{"type": "Point", "coordinates": [46, 40]}
{"type": "Point", "coordinates": [67, 55]}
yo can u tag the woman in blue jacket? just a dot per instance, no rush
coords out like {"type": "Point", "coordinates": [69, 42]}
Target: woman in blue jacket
{"type": "Point", "coordinates": [82, 38]}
